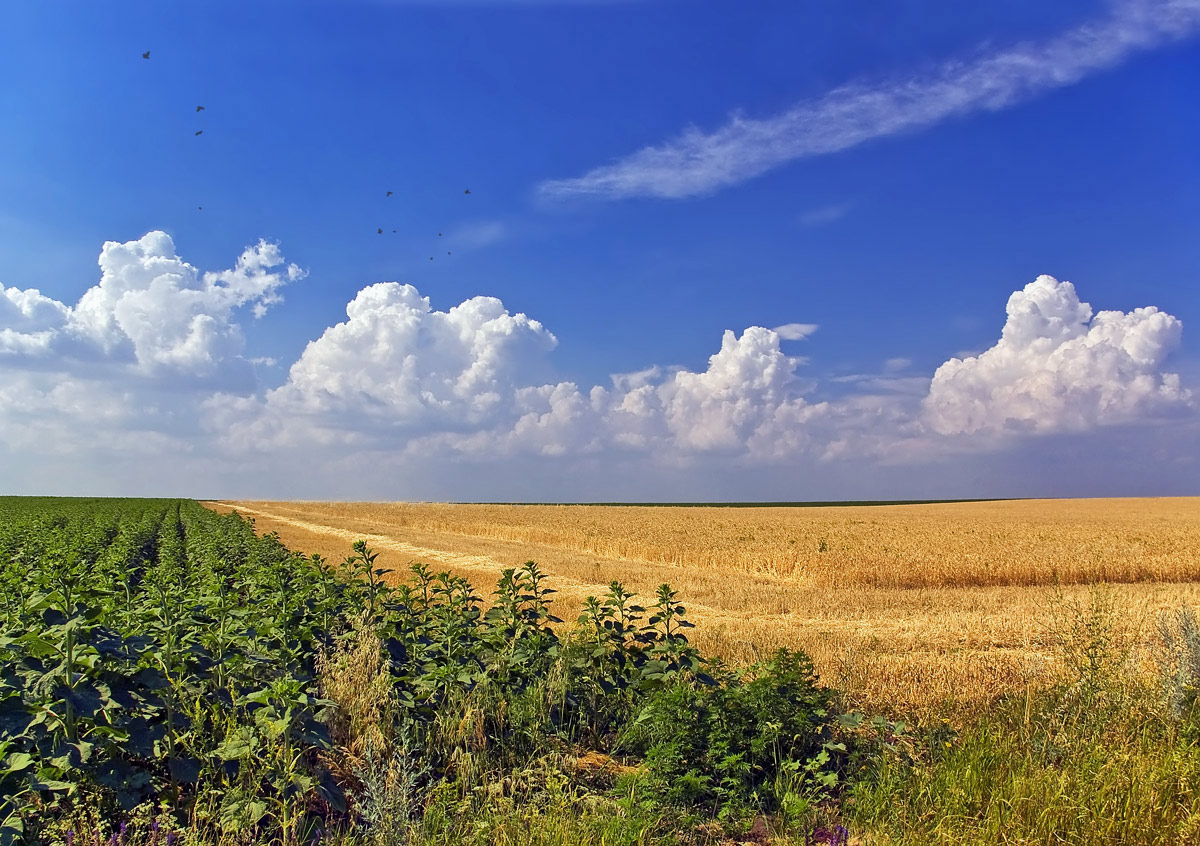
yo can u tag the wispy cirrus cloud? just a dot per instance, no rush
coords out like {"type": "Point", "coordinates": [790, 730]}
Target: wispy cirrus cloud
{"type": "Point", "coordinates": [476, 235]}
{"type": "Point", "coordinates": [823, 215]}
{"type": "Point", "coordinates": [699, 162]}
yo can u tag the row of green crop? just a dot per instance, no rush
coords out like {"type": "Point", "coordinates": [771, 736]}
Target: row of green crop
{"type": "Point", "coordinates": [157, 655]}
{"type": "Point", "coordinates": [145, 645]}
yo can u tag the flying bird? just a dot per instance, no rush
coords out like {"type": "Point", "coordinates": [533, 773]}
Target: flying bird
{"type": "Point", "coordinates": [468, 191]}
{"type": "Point", "coordinates": [431, 258]}
{"type": "Point", "coordinates": [146, 55]}
{"type": "Point", "coordinates": [378, 231]}
{"type": "Point", "coordinates": [439, 234]}
{"type": "Point", "coordinates": [389, 193]}
{"type": "Point", "coordinates": [199, 108]}
{"type": "Point", "coordinates": [199, 131]}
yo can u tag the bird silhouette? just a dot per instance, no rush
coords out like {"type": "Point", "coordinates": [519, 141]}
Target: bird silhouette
{"type": "Point", "coordinates": [393, 231]}
{"type": "Point", "coordinates": [468, 191]}
{"type": "Point", "coordinates": [199, 108]}
{"type": "Point", "coordinates": [447, 252]}
{"type": "Point", "coordinates": [146, 55]}
{"type": "Point", "coordinates": [378, 231]}
{"type": "Point", "coordinates": [389, 193]}
{"type": "Point", "coordinates": [439, 234]}
{"type": "Point", "coordinates": [199, 131]}
{"type": "Point", "coordinates": [200, 207]}
{"type": "Point", "coordinates": [431, 258]}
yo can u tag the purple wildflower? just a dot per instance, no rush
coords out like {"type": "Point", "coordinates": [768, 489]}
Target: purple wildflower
{"type": "Point", "coordinates": [70, 837]}
{"type": "Point", "coordinates": [839, 835]}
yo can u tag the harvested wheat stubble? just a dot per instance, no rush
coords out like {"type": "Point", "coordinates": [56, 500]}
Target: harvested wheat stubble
{"type": "Point", "coordinates": [905, 606]}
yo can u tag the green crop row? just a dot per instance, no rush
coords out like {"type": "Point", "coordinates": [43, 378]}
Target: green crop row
{"type": "Point", "coordinates": [147, 649]}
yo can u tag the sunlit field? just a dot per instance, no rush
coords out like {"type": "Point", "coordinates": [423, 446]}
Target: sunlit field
{"type": "Point", "coordinates": [901, 606]}
{"type": "Point", "coordinates": [172, 675]}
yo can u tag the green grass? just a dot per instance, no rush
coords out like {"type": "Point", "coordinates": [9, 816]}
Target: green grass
{"type": "Point", "coordinates": [1000, 784]}
{"type": "Point", "coordinates": [1110, 756]}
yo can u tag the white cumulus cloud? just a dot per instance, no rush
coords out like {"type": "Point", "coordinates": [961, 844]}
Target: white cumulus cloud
{"type": "Point", "coordinates": [126, 369]}
{"type": "Point", "coordinates": [747, 402]}
{"type": "Point", "coordinates": [396, 367]}
{"type": "Point", "coordinates": [744, 387]}
{"type": "Point", "coordinates": [1057, 367]}
{"type": "Point", "coordinates": [401, 375]}
{"type": "Point", "coordinates": [151, 313]}
{"type": "Point", "coordinates": [28, 321]}
{"type": "Point", "coordinates": [28, 311]}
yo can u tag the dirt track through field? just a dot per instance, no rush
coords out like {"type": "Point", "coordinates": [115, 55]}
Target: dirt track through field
{"type": "Point", "coordinates": [455, 561]}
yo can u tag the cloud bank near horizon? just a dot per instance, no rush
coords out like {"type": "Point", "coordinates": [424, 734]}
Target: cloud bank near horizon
{"type": "Point", "coordinates": [699, 162]}
{"type": "Point", "coordinates": [149, 367]}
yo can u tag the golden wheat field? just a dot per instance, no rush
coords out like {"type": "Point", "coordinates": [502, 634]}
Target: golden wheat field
{"type": "Point", "coordinates": [903, 606]}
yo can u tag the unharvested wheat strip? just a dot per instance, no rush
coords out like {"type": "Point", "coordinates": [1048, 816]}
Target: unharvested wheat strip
{"type": "Point", "coordinates": [466, 562]}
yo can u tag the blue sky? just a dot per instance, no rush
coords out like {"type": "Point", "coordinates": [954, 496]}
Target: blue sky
{"type": "Point", "coordinates": [644, 176]}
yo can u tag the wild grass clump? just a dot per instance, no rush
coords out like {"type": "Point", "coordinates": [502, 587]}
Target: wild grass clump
{"type": "Point", "coordinates": [1179, 660]}
{"type": "Point", "coordinates": [1103, 757]}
